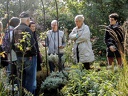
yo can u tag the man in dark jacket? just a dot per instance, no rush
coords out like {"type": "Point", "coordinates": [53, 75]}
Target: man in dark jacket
{"type": "Point", "coordinates": [114, 38]}
{"type": "Point", "coordinates": [26, 56]}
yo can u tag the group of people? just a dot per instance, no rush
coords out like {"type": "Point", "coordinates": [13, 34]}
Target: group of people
{"type": "Point", "coordinates": [56, 41]}
{"type": "Point", "coordinates": [113, 38]}
{"type": "Point", "coordinates": [24, 62]}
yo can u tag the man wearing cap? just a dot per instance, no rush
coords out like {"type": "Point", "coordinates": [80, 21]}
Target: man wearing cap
{"type": "Point", "coordinates": [29, 58]}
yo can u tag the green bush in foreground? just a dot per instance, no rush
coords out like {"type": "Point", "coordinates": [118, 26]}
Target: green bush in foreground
{"type": "Point", "coordinates": [91, 83]}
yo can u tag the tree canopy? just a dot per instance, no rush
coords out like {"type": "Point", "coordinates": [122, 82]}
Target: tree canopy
{"type": "Point", "coordinates": [95, 11]}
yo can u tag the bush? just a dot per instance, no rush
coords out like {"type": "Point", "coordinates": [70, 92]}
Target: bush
{"type": "Point", "coordinates": [91, 83]}
{"type": "Point", "coordinates": [55, 81]}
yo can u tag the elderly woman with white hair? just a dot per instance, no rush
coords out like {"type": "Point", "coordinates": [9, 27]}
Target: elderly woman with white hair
{"type": "Point", "coordinates": [82, 48]}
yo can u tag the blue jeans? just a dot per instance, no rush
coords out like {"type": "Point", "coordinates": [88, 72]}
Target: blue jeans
{"type": "Point", "coordinates": [29, 72]}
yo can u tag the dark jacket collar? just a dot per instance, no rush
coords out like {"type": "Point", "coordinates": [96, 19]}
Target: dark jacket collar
{"type": "Point", "coordinates": [23, 24]}
{"type": "Point", "coordinates": [114, 26]}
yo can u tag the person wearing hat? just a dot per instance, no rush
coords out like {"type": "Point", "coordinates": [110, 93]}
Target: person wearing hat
{"type": "Point", "coordinates": [26, 57]}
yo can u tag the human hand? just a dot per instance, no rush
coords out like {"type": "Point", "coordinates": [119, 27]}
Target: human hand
{"type": "Point", "coordinates": [61, 47]}
{"type": "Point", "coordinates": [28, 48]}
{"type": "Point", "coordinates": [112, 48]}
{"type": "Point", "coordinates": [76, 35]}
{"type": "Point", "coordinates": [43, 43]}
{"type": "Point", "coordinates": [30, 58]}
{"type": "Point", "coordinates": [1, 38]}
{"type": "Point", "coordinates": [1, 41]}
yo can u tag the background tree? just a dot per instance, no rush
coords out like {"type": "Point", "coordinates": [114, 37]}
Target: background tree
{"type": "Point", "coordinates": [95, 11]}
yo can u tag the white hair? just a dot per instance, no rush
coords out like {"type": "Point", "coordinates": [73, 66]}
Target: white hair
{"type": "Point", "coordinates": [23, 20]}
{"type": "Point", "coordinates": [54, 22]}
{"type": "Point", "coordinates": [79, 17]}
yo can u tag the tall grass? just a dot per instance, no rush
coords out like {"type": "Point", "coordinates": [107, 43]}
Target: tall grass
{"type": "Point", "coordinates": [122, 86]}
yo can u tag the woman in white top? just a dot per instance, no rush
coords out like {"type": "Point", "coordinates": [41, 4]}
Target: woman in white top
{"type": "Point", "coordinates": [82, 48]}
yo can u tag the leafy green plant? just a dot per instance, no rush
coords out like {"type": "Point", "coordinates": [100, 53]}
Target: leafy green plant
{"type": "Point", "coordinates": [3, 90]}
{"type": "Point", "coordinates": [43, 49]}
{"type": "Point", "coordinates": [68, 52]}
{"type": "Point", "coordinates": [54, 58]}
{"type": "Point", "coordinates": [55, 80]}
{"type": "Point", "coordinates": [24, 42]}
{"type": "Point", "coordinates": [91, 83]}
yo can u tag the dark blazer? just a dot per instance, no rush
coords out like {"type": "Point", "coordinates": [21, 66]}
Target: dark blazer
{"type": "Point", "coordinates": [24, 28]}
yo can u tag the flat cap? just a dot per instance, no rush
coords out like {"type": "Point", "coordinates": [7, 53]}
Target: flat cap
{"type": "Point", "coordinates": [24, 15]}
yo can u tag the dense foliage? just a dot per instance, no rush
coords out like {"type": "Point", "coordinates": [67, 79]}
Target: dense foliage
{"type": "Point", "coordinates": [44, 11]}
{"type": "Point", "coordinates": [80, 82]}
{"type": "Point", "coordinates": [91, 83]}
